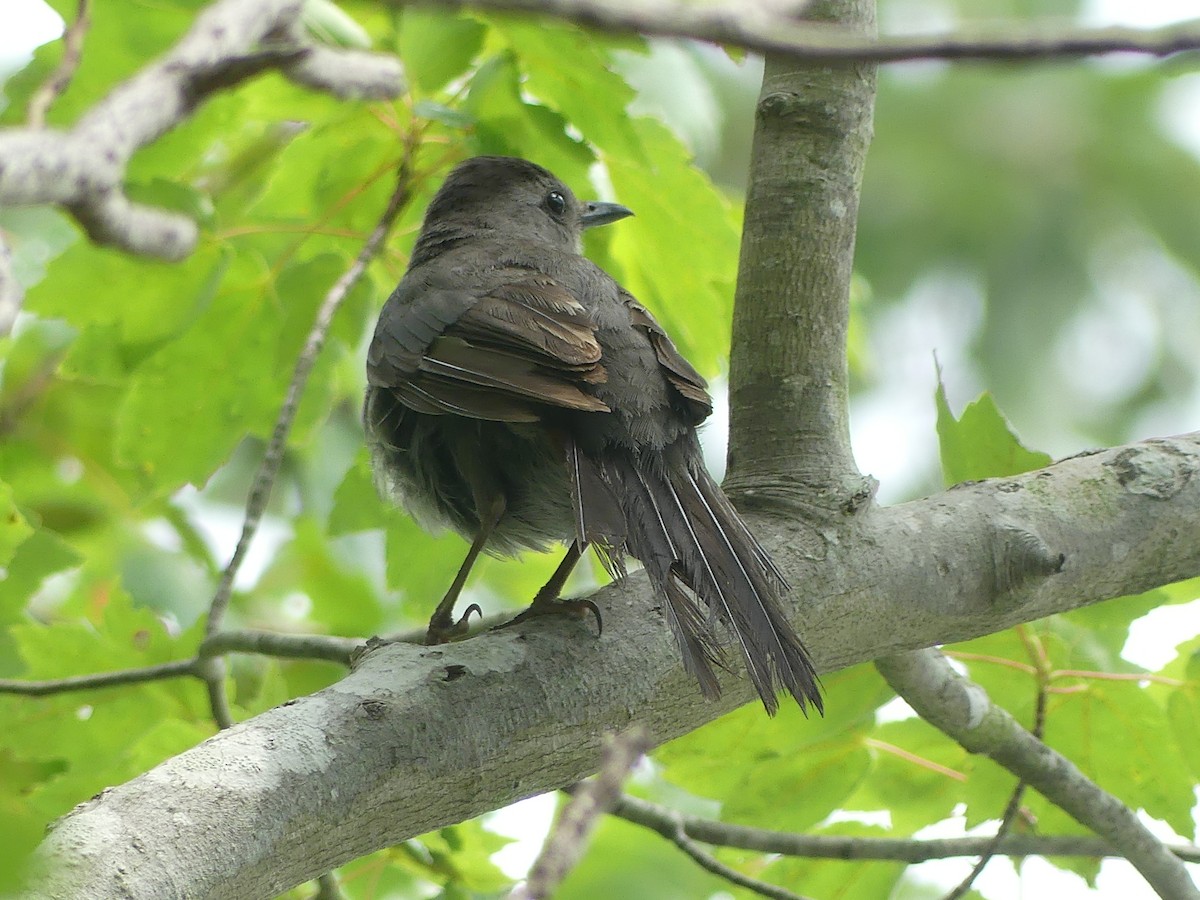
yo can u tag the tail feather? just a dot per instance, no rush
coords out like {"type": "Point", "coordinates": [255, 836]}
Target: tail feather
{"type": "Point", "coordinates": [709, 568]}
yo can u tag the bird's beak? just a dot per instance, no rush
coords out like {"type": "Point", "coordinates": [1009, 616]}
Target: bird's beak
{"type": "Point", "coordinates": [597, 212]}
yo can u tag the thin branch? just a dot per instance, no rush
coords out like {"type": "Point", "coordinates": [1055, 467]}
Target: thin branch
{"type": "Point", "coordinates": [54, 86]}
{"type": "Point", "coordinates": [264, 480]}
{"type": "Point", "coordinates": [710, 863]}
{"type": "Point", "coordinates": [904, 850]}
{"type": "Point", "coordinates": [83, 169]}
{"type": "Point", "coordinates": [675, 828]}
{"type": "Point", "coordinates": [98, 680]}
{"type": "Point", "coordinates": [286, 646]}
{"type": "Point", "coordinates": [962, 709]}
{"type": "Point", "coordinates": [568, 838]}
{"type": "Point", "coordinates": [774, 28]}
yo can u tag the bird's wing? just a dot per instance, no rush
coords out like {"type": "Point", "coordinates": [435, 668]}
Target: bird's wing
{"type": "Point", "coordinates": [690, 387]}
{"type": "Point", "coordinates": [504, 355]}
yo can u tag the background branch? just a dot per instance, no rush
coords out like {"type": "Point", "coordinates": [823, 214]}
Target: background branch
{"type": "Point", "coordinates": [775, 28]}
{"type": "Point", "coordinates": [962, 710]}
{"type": "Point", "coordinates": [82, 169]}
{"type": "Point", "coordinates": [905, 850]}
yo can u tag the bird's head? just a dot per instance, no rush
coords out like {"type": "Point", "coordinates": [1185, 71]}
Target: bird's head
{"type": "Point", "coordinates": [515, 199]}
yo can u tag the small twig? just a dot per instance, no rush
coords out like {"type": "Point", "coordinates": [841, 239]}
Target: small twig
{"type": "Point", "coordinates": [264, 480]}
{"type": "Point", "coordinates": [98, 680]}
{"type": "Point", "coordinates": [54, 86]}
{"type": "Point", "coordinates": [569, 836]}
{"type": "Point", "coordinates": [679, 830]}
{"type": "Point", "coordinates": [710, 863]}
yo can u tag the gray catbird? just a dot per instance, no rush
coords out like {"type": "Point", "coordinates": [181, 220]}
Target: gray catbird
{"type": "Point", "coordinates": [517, 394]}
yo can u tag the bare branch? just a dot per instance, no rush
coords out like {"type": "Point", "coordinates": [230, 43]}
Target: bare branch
{"type": "Point", "coordinates": [264, 479]}
{"type": "Point", "coordinates": [287, 646]}
{"type": "Point", "coordinates": [905, 850]}
{"type": "Point", "coordinates": [568, 838]}
{"type": "Point", "coordinates": [82, 169]}
{"type": "Point", "coordinates": [670, 826]}
{"type": "Point", "coordinates": [52, 88]}
{"type": "Point", "coordinates": [98, 680]}
{"type": "Point", "coordinates": [962, 709]}
{"type": "Point", "coordinates": [774, 28]}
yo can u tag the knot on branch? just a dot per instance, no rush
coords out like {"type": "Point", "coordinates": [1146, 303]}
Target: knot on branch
{"type": "Point", "coordinates": [1155, 469]}
{"type": "Point", "coordinates": [1021, 556]}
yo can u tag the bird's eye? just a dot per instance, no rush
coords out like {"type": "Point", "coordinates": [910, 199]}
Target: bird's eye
{"type": "Point", "coordinates": [556, 203]}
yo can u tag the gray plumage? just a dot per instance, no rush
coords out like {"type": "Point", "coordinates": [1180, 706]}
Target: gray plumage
{"type": "Point", "coordinates": [518, 395]}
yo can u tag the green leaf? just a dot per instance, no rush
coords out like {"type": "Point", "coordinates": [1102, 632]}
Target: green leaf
{"type": "Point", "coordinates": [343, 600]}
{"type": "Point", "coordinates": [508, 125]}
{"type": "Point", "coordinates": [14, 530]}
{"type": "Point", "coordinates": [587, 93]}
{"type": "Point", "coordinates": [192, 401]}
{"type": "Point", "coordinates": [678, 254]}
{"type": "Point", "coordinates": [980, 444]}
{"type": "Point", "coordinates": [437, 47]}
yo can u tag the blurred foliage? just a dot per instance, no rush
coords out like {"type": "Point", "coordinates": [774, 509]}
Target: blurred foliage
{"type": "Point", "coordinates": [135, 398]}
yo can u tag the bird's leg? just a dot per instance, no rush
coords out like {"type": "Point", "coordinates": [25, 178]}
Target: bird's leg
{"type": "Point", "coordinates": [442, 625]}
{"type": "Point", "coordinates": [547, 601]}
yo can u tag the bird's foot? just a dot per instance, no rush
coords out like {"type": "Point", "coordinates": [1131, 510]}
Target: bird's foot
{"type": "Point", "coordinates": [556, 607]}
{"type": "Point", "coordinates": [443, 629]}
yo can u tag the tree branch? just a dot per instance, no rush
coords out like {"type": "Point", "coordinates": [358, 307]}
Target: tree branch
{"type": "Point", "coordinates": [381, 756]}
{"type": "Point", "coordinates": [905, 850]}
{"type": "Point", "coordinates": [961, 708]}
{"type": "Point", "coordinates": [775, 28]}
{"type": "Point", "coordinates": [173, 669]}
{"type": "Point", "coordinates": [788, 373]}
{"type": "Point", "coordinates": [264, 479]}
{"type": "Point", "coordinates": [82, 169]}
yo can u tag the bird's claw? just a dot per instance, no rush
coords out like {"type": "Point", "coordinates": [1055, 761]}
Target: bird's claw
{"type": "Point", "coordinates": [443, 632]}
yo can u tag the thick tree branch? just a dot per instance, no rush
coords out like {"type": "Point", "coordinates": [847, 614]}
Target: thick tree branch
{"type": "Point", "coordinates": [905, 850]}
{"type": "Point", "coordinates": [82, 169]}
{"type": "Point", "coordinates": [788, 377]}
{"type": "Point", "coordinates": [963, 710]}
{"type": "Point", "coordinates": [775, 28]}
{"type": "Point", "coordinates": [419, 737]}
